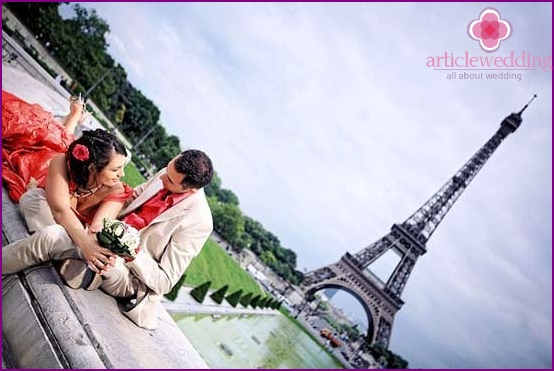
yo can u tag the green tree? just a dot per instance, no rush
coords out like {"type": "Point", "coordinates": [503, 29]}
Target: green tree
{"type": "Point", "coordinates": [255, 300]}
{"type": "Point", "coordinates": [267, 301]}
{"type": "Point", "coordinates": [160, 147]}
{"type": "Point", "coordinates": [227, 196]}
{"type": "Point", "coordinates": [234, 298]}
{"type": "Point", "coordinates": [289, 257]}
{"type": "Point", "coordinates": [117, 100]}
{"type": "Point", "coordinates": [219, 295]}
{"type": "Point", "coordinates": [245, 300]}
{"type": "Point", "coordinates": [267, 246]}
{"type": "Point", "coordinates": [140, 116]}
{"type": "Point", "coordinates": [268, 258]}
{"type": "Point", "coordinates": [172, 295]}
{"type": "Point", "coordinates": [297, 277]}
{"type": "Point", "coordinates": [352, 332]}
{"type": "Point", "coordinates": [261, 302]}
{"type": "Point", "coordinates": [396, 362]}
{"type": "Point", "coordinates": [213, 188]}
{"type": "Point", "coordinates": [120, 113]}
{"type": "Point", "coordinates": [228, 221]}
{"type": "Point", "coordinates": [243, 242]}
{"type": "Point", "coordinates": [392, 359]}
{"type": "Point", "coordinates": [199, 292]}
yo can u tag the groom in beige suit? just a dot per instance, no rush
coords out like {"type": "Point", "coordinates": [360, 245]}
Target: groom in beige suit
{"type": "Point", "coordinates": [174, 220]}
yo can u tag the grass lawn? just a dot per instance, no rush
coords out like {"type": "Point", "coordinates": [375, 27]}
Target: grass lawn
{"type": "Point", "coordinates": [213, 264]}
{"type": "Point", "coordinates": [132, 176]}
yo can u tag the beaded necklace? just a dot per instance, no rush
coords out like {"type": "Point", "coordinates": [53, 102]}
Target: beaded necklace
{"type": "Point", "coordinates": [84, 192]}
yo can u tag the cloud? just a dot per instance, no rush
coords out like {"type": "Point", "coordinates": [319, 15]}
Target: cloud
{"type": "Point", "coordinates": [119, 48]}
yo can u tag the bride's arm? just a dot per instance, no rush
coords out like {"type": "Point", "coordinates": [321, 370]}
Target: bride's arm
{"type": "Point", "coordinates": [57, 195]}
{"type": "Point", "coordinates": [107, 209]}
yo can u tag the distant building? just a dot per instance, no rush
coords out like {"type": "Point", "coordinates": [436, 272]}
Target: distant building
{"type": "Point", "coordinates": [247, 257]}
{"type": "Point", "coordinates": [295, 296]}
{"type": "Point", "coordinates": [218, 238]}
{"type": "Point", "coordinates": [256, 273]}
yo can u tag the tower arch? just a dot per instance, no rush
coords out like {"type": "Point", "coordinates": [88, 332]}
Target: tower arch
{"type": "Point", "coordinates": [370, 312]}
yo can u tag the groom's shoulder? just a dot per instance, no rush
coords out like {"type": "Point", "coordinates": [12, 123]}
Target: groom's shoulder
{"type": "Point", "coordinates": [199, 198]}
{"type": "Point", "coordinates": [200, 202]}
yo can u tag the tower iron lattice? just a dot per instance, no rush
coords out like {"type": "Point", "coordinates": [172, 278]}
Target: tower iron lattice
{"type": "Point", "coordinates": [382, 300]}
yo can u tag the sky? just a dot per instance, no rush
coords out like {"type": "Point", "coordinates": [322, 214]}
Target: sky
{"type": "Point", "coordinates": [325, 121]}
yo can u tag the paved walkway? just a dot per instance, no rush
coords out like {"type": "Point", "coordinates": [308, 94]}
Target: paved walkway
{"type": "Point", "coordinates": [25, 86]}
{"type": "Point", "coordinates": [24, 73]}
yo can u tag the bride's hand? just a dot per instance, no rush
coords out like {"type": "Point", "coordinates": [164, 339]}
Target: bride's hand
{"type": "Point", "coordinates": [99, 259]}
{"type": "Point", "coordinates": [93, 229]}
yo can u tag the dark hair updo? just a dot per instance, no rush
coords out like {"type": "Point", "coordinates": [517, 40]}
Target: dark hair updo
{"type": "Point", "coordinates": [94, 147]}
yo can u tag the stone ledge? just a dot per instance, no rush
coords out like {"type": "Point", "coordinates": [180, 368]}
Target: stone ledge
{"type": "Point", "coordinates": [46, 324]}
{"type": "Point", "coordinates": [19, 317]}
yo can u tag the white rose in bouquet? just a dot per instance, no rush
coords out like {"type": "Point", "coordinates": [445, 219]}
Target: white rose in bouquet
{"type": "Point", "coordinates": [120, 238]}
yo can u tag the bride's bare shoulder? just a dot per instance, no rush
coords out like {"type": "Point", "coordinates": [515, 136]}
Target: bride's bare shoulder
{"type": "Point", "coordinates": [115, 189]}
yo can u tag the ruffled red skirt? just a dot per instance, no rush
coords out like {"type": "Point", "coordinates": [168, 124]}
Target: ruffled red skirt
{"type": "Point", "coordinates": [30, 138]}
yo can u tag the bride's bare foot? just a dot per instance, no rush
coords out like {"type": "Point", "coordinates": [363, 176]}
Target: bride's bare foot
{"type": "Point", "coordinates": [77, 114]}
{"type": "Point", "coordinates": [84, 116]}
{"type": "Point", "coordinates": [32, 184]}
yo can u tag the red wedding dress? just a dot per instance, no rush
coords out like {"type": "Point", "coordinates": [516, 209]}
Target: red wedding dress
{"type": "Point", "coordinates": [31, 136]}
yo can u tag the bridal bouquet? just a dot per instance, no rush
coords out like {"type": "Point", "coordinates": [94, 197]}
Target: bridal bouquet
{"type": "Point", "coordinates": [120, 238]}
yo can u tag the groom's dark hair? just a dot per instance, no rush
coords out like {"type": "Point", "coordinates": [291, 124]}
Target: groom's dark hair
{"type": "Point", "coordinates": [196, 166]}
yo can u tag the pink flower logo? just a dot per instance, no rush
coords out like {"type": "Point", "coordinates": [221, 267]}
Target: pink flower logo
{"type": "Point", "coordinates": [489, 29]}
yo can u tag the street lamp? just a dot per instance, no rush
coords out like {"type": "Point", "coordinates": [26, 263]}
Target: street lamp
{"type": "Point", "coordinates": [87, 93]}
{"type": "Point", "coordinates": [144, 137]}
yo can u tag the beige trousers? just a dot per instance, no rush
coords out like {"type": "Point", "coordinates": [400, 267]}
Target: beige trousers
{"type": "Point", "coordinates": [50, 241]}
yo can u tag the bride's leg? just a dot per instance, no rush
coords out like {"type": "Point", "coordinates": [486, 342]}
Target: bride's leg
{"type": "Point", "coordinates": [77, 115]}
{"type": "Point", "coordinates": [35, 210]}
{"type": "Point", "coordinates": [70, 123]}
{"type": "Point", "coordinates": [49, 243]}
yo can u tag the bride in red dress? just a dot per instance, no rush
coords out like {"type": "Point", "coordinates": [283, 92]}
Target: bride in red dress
{"type": "Point", "coordinates": [77, 182]}
{"type": "Point", "coordinates": [30, 138]}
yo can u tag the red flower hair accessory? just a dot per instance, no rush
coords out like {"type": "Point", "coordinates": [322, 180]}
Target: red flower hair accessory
{"type": "Point", "coordinates": [80, 152]}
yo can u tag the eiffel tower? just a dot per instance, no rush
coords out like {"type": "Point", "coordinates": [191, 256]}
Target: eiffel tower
{"type": "Point", "coordinates": [382, 300]}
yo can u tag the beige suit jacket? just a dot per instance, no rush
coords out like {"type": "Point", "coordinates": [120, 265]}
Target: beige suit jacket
{"type": "Point", "coordinates": [168, 243]}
